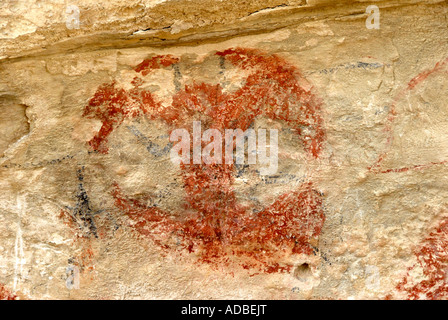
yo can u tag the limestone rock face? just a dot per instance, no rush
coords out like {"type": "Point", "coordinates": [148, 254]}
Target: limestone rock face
{"type": "Point", "coordinates": [92, 205]}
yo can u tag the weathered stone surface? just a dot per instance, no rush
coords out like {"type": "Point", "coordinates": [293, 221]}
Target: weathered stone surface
{"type": "Point", "coordinates": [91, 207]}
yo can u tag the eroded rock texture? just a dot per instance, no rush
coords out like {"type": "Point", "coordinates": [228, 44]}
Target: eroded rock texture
{"type": "Point", "coordinates": [92, 207]}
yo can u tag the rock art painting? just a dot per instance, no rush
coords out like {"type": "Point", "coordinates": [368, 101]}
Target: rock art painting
{"type": "Point", "coordinates": [5, 294]}
{"type": "Point", "coordinates": [427, 279]}
{"type": "Point", "coordinates": [212, 224]}
{"type": "Point", "coordinates": [396, 116]}
{"type": "Point", "coordinates": [211, 150]}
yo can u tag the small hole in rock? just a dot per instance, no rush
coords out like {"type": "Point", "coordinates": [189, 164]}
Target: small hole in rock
{"type": "Point", "coordinates": [303, 271]}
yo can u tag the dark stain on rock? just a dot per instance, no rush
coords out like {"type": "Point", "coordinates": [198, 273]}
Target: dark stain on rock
{"type": "Point", "coordinates": [82, 214]}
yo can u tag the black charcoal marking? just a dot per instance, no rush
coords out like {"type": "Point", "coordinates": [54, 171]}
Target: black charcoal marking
{"type": "Point", "coordinates": [241, 169]}
{"type": "Point", "coordinates": [82, 214]}
{"type": "Point", "coordinates": [177, 77]}
{"type": "Point", "coordinates": [39, 164]}
{"type": "Point", "coordinates": [349, 66]}
{"type": "Point", "coordinates": [222, 64]}
{"type": "Point", "coordinates": [153, 148]}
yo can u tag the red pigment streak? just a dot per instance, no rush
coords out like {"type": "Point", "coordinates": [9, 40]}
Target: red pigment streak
{"type": "Point", "coordinates": [424, 75]}
{"type": "Point", "coordinates": [155, 63]}
{"type": "Point", "coordinates": [122, 104]}
{"type": "Point", "coordinates": [392, 115]}
{"type": "Point", "coordinates": [214, 225]}
{"type": "Point", "coordinates": [432, 258]}
{"type": "Point", "coordinates": [85, 258]}
{"type": "Point", "coordinates": [5, 294]}
{"type": "Point", "coordinates": [416, 167]}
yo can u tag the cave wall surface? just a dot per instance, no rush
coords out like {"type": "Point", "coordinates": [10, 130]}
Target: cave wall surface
{"type": "Point", "coordinates": [92, 207]}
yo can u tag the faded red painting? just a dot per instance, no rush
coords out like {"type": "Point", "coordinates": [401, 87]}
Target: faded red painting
{"type": "Point", "coordinates": [5, 294]}
{"type": "Point", "coordinates": [428, 278]}
{"type": "Point", "coordinates": [213, 225]}
{"type": "Point", "coordinates": [413, 85]}
{"type": "Point", "coordinates": [431, 266]}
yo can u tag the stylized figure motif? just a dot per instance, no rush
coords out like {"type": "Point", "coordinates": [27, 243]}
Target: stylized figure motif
{"type": "Point", "coordinates": [412, 85]}
{"type": "Point", "coordinates": [213, 224]}
{"type": "Point", "coordinates": [428, 277]}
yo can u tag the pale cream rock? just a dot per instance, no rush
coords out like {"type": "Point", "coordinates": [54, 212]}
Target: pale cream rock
{"type": "Point", "coordinates": [383, 95]}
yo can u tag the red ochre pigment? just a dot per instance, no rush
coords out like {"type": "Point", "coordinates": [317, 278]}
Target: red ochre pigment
{"type": "Point", "coordinates": [213, 224]}
{"type": "Point", "coordinates": [5, 294]}
{"type": "Point", "coordinates": [432, 255]}
{"type": "Point", "coordinates": [432, 259]}
{"type": "Point", "coordinates": [412, 84]}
